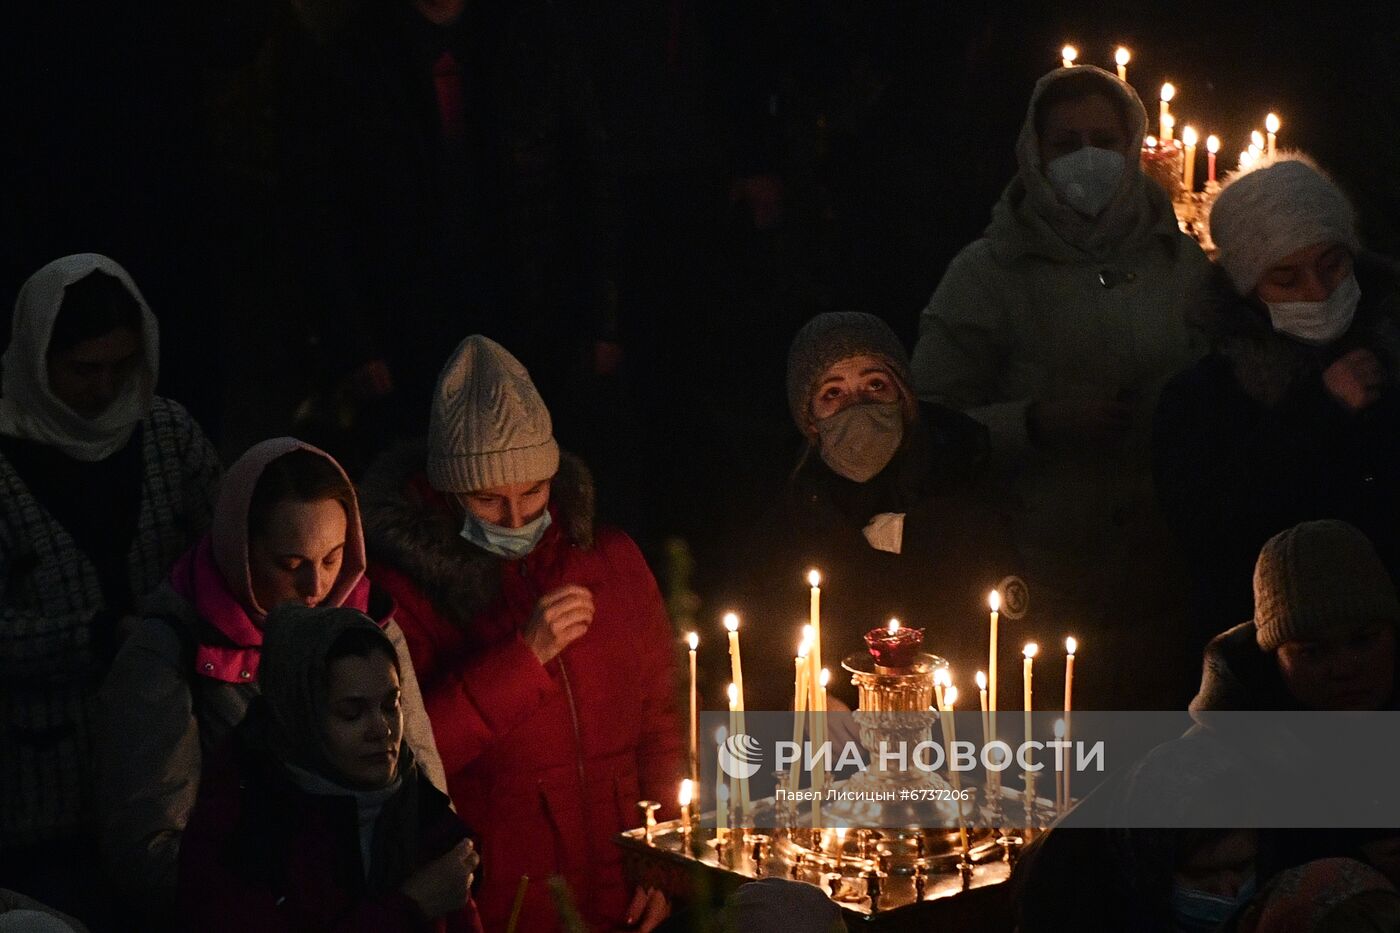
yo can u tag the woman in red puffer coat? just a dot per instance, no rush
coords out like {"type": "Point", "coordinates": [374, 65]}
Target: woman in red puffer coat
{"type": "Point", "coordinates": [541, 643]}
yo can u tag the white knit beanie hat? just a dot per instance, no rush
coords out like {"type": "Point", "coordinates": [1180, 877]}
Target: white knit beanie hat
{"type": "Point", "coordinates": [1277, 208]}
{"type": "Point", "coordinates": [489, 426]}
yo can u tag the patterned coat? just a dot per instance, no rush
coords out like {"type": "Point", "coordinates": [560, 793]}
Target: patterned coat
{"type": "Point", "coordinates": [52, 613]}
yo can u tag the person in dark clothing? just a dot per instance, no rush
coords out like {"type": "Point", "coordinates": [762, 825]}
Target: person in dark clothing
{"type": "Point", "coordinates": [1295, 415]}
{"type": "Point", "coordinates": [104, 485]}
{"type": "Point", "coordinates": [882, 503]}
{"type": "Point", "coordinates": [318, 816]}
{"type": "Point", "coordinates": [444, 173]}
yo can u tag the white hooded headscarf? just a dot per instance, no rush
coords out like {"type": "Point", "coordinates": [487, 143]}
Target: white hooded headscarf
{"type": "Point", "coordinates": [28, 407]}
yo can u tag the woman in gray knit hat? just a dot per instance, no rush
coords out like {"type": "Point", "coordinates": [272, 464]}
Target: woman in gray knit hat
{"type": "Point", "coordinates": [1294, 415]}
{"type": "Point", "coordinates": [883, 502]}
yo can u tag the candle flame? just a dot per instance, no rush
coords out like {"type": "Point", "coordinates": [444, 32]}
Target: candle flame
{"type": "Point", "coordinates": [1271, 123]}
{"type": "Point", "coordinates": [814, 579]}
{"type": "Point", "coordinates": [1069, 53]}
{"type": "Point", "coordinates": [1059, 728]}
{"type": "Point", "coordinates": [804, 647]}
{"type": "Point", "coordinates": [1189, 137]}
{"type": "Point", "coordinates": [941, 677]}
{"type": "Point", "coordinates": [1256, 138]}
{"type": "Point", "coordinates": [1212, 144]}
{"type": "Point", "coordinates": [950, 696]}
{"type": "Point", "coordinates": [687, 792]}
{"type": "Point", "coordinates": [694, 640]}
{"type": "Point", "coordinates": [731, 621]}
{"type": "Point", "coordinates": [981, 679]}
{"type": "Point", "coordinates": [1168, 92]}
{"type": "Point", "coordinates": [1122, 56]}
{"type": "Point", "coordinates": [825, 678]}
{"type": "Point", "coordinates": [1071, 646]}
{"type": "Point", "coordinates": [733, 695]}
{"type": "Point", "coordinates": [1031, 650]}
{"type": "Point", "coordinates": [994, 600]}
{"type": "Point", "coordinates": [894, 626]}
{"type": "Point", "coordinates": [1150, 142]}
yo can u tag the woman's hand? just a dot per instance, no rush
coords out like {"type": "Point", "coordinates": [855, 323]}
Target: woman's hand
{"type": "Point", "coordinates": [444, 884]}
{"type": "Point", "coordinates": [1355, 380]}
{"type": "Point", "coordinates": [649, 908]}
{"type": "Point", "coordinates": [560, 617]}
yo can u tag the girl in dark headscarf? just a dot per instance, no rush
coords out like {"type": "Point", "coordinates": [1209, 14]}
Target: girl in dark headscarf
{"type": "Point", "coordinates": [316, 816]}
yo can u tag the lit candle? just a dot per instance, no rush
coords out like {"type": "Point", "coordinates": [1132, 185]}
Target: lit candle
{"type": "Point", "coordinates": [1189, 137]}
{"type": "Point", "coordinates": [1060, 773]}
{"type": "Point", "coordinates": [687, 792]}
{"type": "Point", "coordinates": [737, 727]}
{"type": "Point", "coordinates": [1244, 160]}
{"type": "Point", "coordinates": [1256, 144]}
{"type": "Point", "coordinates": [1122, 57]}
{"type": "Point", "coordinates": [1212, 147]}
{"type": "Point", "coordinates": [1067, 56]}
{"type": "Point", "coordinates": [1271, 124]}
{"type": "Point", "coordinates": [694, 641]}
{"type": "Point", "coordinates": [1165, 129]}
{"type": "Point", "coordinates": [950, 698]}
{"type": "Point", "coordinates": [1029, 653]}
{"type": "Point", "coordinates": [722, 782]}
{"type": "Point", "coordinates": [814, 580]}
{"type": "Point", "coordinates": [1071, 646]}
{"type": "Point", "coordinates": [731, 623]}
{"type": "Point", "coordinates": [941, 679]}
{"type": "Point", "coordinates": [1150, 142]}
{"type": "Point", "coordinates": [799, 705]}
{"type": "Point", "coordinates": [994, 602]}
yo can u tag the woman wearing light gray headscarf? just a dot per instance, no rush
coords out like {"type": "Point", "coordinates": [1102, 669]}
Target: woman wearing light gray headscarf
{"type": "Point", "coordinates": [103, 486]}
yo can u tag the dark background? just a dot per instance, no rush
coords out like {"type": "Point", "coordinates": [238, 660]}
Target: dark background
{"type": "Point", "coordinates": [137, 130]}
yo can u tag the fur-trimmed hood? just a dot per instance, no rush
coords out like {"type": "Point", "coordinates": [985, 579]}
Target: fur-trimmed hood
{"type": "Point", "coordinates": [410, 527]}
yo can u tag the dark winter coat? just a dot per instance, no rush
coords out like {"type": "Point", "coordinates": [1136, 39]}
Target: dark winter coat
{"type": "Point", "coordinates": [951, 556]}
{"type": "Point", "coordinates": [1248, 443]}
{"type": "Point", "coordinates": [546, 763]}
{"type": "Point", "coordinates": [261, 853]}
{"type": "Point", "coordinates": [58, 625]}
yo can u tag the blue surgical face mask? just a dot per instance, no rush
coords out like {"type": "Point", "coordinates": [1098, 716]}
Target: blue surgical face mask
{"type": "Point", "coordinates": [1087, 178]}
{"type": "Point", "coordinates": [1196, 911]}
{"type": "Point", "coordinates": [507, 543]}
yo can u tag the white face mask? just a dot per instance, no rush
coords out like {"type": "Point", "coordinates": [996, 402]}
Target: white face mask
{"type": "Point", "coordinates": [1086, 179]}
{"type": "Point", "coordinates": [1318, 322]}
{"type": "Point", "coordinates": [506, 543]}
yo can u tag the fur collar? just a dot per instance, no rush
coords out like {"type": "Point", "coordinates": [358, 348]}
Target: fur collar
{"type": "Point", "coordinates": [410, 528]}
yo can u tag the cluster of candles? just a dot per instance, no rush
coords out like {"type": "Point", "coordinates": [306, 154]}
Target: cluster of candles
{"type": "Point", "coordinates": [893, 647]}
{"type": "Point", "coordinates": [1262, 144]}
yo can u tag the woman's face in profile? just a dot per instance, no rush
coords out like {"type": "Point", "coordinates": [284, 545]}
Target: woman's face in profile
{"type": "Point", "coordinates": [1071, 125]}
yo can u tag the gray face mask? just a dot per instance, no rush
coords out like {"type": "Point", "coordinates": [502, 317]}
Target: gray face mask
{"type": "Point", "coordinates": [859, 441]}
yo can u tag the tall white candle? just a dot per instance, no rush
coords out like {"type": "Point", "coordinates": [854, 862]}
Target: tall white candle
{"type": "Point", "coordinates": [1165, 120]}
{"type": "Point", "coordinates": [1271, 124]}
{"type": "Point", "coordinates": [694, 641]}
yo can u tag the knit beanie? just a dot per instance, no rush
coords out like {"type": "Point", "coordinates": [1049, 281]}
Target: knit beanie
{"type": "Point", "coordinates": [832, 337]}
{"type": "Point", "coordinates": [1273, 210]}
{"type": "Point", "coordinates": [489, 426]}
{"type": "Point", "coordinates": [1316, 578]}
